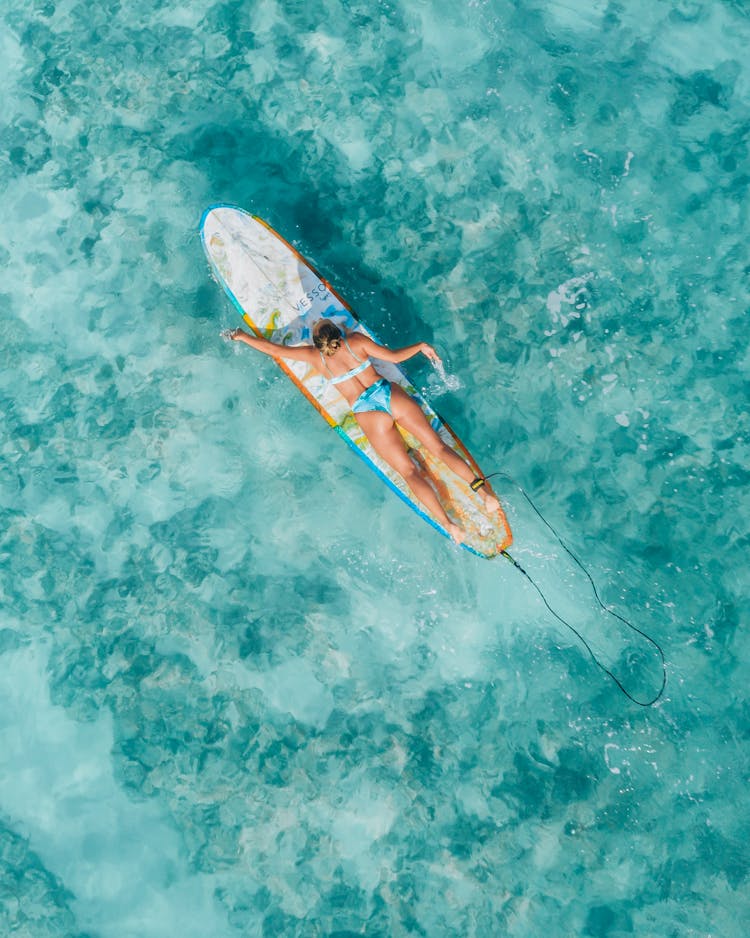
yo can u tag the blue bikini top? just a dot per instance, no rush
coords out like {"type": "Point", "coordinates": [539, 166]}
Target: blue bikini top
{"type": "Point", "coordinates": [352, 373]}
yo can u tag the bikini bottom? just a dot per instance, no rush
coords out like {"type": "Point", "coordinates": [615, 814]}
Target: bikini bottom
{"type": "Point", "coordinates": [376, 397]}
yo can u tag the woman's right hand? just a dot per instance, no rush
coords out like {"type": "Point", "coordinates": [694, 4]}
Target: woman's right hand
{"type": "Point", "coordinates": [429, 352]}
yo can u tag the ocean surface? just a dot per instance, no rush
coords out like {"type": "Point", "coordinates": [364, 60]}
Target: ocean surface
{"type": "Point", "coordinates": [244, 691]}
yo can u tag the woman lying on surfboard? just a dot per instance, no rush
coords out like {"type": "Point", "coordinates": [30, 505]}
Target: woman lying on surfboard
{"type": "Point", "coordinates": [344, 360]}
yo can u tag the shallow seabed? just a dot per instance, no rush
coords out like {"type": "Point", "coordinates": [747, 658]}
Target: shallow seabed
{"type": "Point", "coordinates": [243, 689]}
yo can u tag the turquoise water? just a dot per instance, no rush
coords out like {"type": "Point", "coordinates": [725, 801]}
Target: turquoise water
{"type": "Point", "coordinates": [244, 690]}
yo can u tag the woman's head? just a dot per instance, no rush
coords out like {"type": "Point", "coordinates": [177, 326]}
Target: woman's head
{"type": "Point", "coordinates": [326, 336]}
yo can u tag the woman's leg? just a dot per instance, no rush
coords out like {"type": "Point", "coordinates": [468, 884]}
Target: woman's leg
{"type": "Point", "coordinates": [412, 418]}
{"type": "Point", "coordinates": [388, 443]}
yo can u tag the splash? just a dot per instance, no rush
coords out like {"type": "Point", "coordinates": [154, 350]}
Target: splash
{"type": "Point", "coordinates": [443, 381]}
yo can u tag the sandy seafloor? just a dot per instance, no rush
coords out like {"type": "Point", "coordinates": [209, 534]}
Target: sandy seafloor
{"type": "Point", "coordinates": [244, 691]}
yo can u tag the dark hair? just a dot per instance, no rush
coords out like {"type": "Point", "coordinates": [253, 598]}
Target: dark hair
{"type": "Point", "coordinates": [327, 337]}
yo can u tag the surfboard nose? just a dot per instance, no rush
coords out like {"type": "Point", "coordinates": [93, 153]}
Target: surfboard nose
{"type": "Point", "coordinates": [214, 215]}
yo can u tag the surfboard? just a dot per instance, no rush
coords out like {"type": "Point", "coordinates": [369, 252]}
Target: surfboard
{"type": "Point", "coordinates": [280, 296]}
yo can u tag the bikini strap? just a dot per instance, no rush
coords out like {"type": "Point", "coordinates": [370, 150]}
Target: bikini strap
{"type": "Point", "coordinates": [322, 358]}
{"type": "Point", "coordinates": [354, 356]}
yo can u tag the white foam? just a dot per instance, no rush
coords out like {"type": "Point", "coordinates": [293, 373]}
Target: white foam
{"type": "Point", "coordinates": [567, 293]}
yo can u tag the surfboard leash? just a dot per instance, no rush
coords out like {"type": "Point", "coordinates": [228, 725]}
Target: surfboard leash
{"type": "Point", "coordinates": [602, 605]}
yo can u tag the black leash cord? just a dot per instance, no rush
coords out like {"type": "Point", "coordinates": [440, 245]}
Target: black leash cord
{"type": "Point", "coordinates": [611, 612]}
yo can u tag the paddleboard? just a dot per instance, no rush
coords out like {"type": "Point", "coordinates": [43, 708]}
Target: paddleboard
{"type": "Point", "coordinates": [280, 297]}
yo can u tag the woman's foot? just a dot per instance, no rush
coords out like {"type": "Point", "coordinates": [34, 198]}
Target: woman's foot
{"type": "Point", "coordinates": [456, 534]}
{"type": "Point", "coordinates": [490, 501]}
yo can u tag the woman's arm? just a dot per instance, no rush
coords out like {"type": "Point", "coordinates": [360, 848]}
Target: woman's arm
{"type": "Point", "coordinates": [299, 353]}
{"type": "Point", "coordinates": [386, 354]}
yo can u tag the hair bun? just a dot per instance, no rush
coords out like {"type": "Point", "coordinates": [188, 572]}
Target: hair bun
{"type": "Point", "coordinates": [327, 337]}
